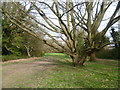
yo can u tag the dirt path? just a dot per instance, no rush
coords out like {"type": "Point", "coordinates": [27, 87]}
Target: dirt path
{"type": "Point", "coordinates": [14, 73]}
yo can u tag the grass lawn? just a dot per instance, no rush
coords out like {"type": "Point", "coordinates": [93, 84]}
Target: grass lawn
{"type": "Point", "coordinates": [58, 72]}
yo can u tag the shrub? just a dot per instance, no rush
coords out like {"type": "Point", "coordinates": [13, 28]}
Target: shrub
{"type": "Point", "coordinates": [108, 53]}
{"type": "Point", "coordinates": [12, 57]}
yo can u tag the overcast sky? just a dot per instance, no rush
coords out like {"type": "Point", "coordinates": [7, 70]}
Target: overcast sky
{"type": "Point", "coordinates": [107, 15]}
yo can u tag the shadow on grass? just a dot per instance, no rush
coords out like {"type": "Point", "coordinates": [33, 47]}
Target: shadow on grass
{"type": "Point", "coordinates": [60, 58]}
{"type": "Point", "coordinates": [58, 55]}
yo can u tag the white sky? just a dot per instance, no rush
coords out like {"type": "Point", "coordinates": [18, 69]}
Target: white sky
{"type": "Point", "coordinates": [107, 15]}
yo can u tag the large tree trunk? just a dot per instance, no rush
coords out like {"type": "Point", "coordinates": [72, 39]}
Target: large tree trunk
{"type": "Point", "coordinates": [73, 60]}
{"type": "Point", "coordinates": [28, 51]}
{"type": "Point", "coordinates": [78, 61]}
{"type": "Point", "coordinates": [83, 61]}
{"type": "Point", "coordinates": [92, 57]}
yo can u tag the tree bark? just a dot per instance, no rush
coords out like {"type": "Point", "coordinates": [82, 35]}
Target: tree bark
{"type": "Point", "coordinates": [92, 57]}
{"type": "Point", "coordinates": [83, 61]}
{"type": "Point", "coordinates": [73, 60]}
{"type": "Point", "coordinates": [28, 51]}
{"type": "Point", "coordinates": [77, 61]}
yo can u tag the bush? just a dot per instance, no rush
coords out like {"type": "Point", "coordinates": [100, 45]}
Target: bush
{"type": "Point", "coordinates": [12, 57]}
{"type": "Point", "coordinates": [37, 53]}
{"type": "Point", "coordinates": [108, 54]}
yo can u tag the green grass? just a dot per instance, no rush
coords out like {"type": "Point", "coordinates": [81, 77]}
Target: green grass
{"type": "Point", "coordinates": [99, 74]}
{"type": "Point", "coordinates": [93, 75]}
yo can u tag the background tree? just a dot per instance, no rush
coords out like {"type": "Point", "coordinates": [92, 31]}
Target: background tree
{"type": "Point", "coordinates": [11, 38]}
{"type": "Point", "coordinates": [115, 36]}
{"type": "Point", "coordinates": [32, 45]}
{"type": "Point", "coordinates": [15, 40]}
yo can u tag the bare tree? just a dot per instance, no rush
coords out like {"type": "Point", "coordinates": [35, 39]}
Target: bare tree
{"type": "Point", "coordinates": [90, 20]}
{"type": "Point", "coordinates": [64, 21]}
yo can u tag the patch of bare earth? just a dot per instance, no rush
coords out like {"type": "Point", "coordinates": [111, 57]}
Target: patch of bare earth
{"type": "Point", "coordinates": [19, 73]}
